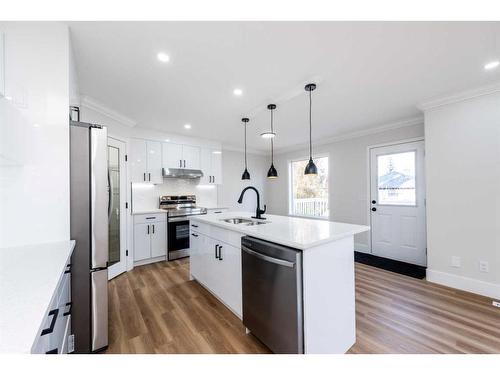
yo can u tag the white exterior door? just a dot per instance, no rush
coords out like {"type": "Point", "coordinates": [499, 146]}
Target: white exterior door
{"type": "Point", "coordinates": [117, 223]}
{"type": "Point", "coordinates": [397, 204]}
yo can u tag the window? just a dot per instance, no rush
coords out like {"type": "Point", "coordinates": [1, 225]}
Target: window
{"type": "Point", "coordinates": [309, 193]}
{"type": "Point", "coordinates": [396, 179]}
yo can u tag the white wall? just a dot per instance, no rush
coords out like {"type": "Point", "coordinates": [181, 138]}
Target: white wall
{"type": "Point", "coordinates": [348, 169]}
{"type": "Point", "coordinates": [34, 134]}
{"type": "Point", "coordinates": [233, 165]}
{"type": "Point", "coordinates": [463, 193]}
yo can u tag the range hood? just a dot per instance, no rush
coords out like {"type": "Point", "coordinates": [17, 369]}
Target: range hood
{"type": "Point", "coordinates": [181, 173]}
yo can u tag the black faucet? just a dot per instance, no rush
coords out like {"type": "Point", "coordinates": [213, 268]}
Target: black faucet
{"type": "Point", "coordinates": [258, 211]}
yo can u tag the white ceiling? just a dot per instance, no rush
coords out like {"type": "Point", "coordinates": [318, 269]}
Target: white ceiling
{"type": "Point", "coordinates": [368, 73]}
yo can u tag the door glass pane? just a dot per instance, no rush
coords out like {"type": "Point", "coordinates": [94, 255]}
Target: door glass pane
{"type": "Point", "coordinates": [114, 213]}
{"type": "Point", "coordinates": [396, 179]}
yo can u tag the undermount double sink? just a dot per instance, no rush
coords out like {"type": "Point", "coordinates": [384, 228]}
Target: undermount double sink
{"type": "Point", "coordinates": [243, 221]}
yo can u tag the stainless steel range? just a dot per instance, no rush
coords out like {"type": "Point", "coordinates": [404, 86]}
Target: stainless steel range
{"type": "Point", "coordinates": [179, 208]}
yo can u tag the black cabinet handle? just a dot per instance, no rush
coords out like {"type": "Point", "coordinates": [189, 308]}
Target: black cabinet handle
{"type": "Point", "coordinates": [216, 255]}
{"type": "Point", "coordinates": [374, 209]}
{"type": "Point", "coordinates": [54, 314]}
{"type": "Point", "coordinates": [180, 163]}
{"type": "Point", "coordinates": [184, 164]}
{"type": "Point", "coordinates": [151, 218]}
{"type": "Point", "coordinates": [148, 229]}
{"type": "Point", "coordinates": [68, 269]}
{"type": "Point", "coordinates": [194, 225]}
{"type": "Point", "coordinates": [220, 252]}
{"type": "Point", "coordinates": [144, 177]}
{"type": "Point", "coordinates": [213, 177]}
{"type": "Point", "coordinates": [194, 235]}
{"type": "Point", "coordinates": [374, 201]}
{"type": "Point", "coordinates": [153, 229]}
{"type": "Point", "coordinates": [217, 212]}
{"type": "Point", "coordinates": [70, 304]}
{"type": "Point", "coordinates": [53, 351]}
{"type": "Point", "coordinates": [149, 175]}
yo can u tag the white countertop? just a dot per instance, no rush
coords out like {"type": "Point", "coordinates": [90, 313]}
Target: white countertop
{"type": "Point", "coordinates": [299, 233]}
{"type": "Point", "coordinates": [28, 278]}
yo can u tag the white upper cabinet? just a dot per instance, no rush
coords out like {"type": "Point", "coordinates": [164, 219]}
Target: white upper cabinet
{"type": "Point", "coordinates": [181, 156]}
{"type": "Point", "coordinates": [154, 162]}
{"type": "Point", "coordinates": [191, 157]}
{"type": "Point", "coordinates": [172, 155]}
{"type": "Point", "coordinates": [145, 161]}
{"type": "Point", "coordinates": [211, 166]}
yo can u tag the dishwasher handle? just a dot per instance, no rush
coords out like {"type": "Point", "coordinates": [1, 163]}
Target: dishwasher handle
{"type": "Point", "coordinates": [267, 258]}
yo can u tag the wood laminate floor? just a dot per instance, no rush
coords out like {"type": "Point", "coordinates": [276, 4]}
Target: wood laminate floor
{"type": "Point", "coordinates": [156, 309]}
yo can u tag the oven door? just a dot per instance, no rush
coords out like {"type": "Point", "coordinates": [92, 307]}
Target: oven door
{"type": "Point", "coordinates": [178, 234]}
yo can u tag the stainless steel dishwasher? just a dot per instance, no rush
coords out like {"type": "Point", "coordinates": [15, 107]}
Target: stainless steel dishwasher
{"type": "Point", "coordinates": [272, 294]}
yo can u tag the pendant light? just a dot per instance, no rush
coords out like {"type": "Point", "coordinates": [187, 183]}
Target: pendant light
{"type": "Point", "coordinates": [272, 173]}
{"type": "Point", "coordinates": [310, 167]}
{"type": "Point", "coordinates": [245, 175]}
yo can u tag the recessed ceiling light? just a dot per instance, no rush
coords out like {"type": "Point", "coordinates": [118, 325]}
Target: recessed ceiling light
{"type": "Point", "coordinates": [8, 97]}
{"type": "Point", "coordinates": [167, 140]}
{"type": "Point", "coordinates": [491, 65]}
{"type": "Point", "coordinates": [187, 126]}
{"type": "Point", "coordinates": [268, 135]}
{"type": "Point", "coordinates": [217, 152]}
{"type": "Point", "coordinates": [163, 57]}
{"type": "Point", "coordinates": [36, 125]}
{"type": "Point", "coordinates": [238, 92]}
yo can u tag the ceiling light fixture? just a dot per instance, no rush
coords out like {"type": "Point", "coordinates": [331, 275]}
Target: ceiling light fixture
{"type": "Point", "coordinates": [310, 167]}
{"type": "Point", "coordinates": [272, 173]}
{"type": "Point", "coordinates": [163, 57]}
{"type": "Point", "coordinates": [238, 92]}
{"type": "Point", "coordinates": [187, 126]}
{"type": "Point", "coordinates": [245, 175]}
{"type": "Point", "coordinates": [491, 65]}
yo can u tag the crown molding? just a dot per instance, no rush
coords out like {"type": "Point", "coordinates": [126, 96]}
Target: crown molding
{"type": "Point", "coordinates": [459, 97]}
{"type": "Point", "coordinates": [379, 129]}
{"type": "Point", "coordinates": [97, 106]}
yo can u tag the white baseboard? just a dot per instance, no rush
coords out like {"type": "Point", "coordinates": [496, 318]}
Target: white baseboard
{"type": "Point", "coordinates": [464, 283]}
{"type": "Point", "coordinates": [362, 248]}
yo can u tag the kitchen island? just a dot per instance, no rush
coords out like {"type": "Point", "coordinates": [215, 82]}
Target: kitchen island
{"type": "Point", "coordinates": [327, 267]}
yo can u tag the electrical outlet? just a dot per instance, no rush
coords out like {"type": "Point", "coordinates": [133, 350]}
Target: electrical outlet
{"type": "Point", "coordinates": [456, 262]}
{"type": "Point", "coordinates": [495, 303]}
{"type": "Point", "coordinates": [484, 266]}
{"type": "Point", "coordinates": [71, 343]}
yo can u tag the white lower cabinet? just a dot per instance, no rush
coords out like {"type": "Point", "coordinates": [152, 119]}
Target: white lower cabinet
{"type": "Point", "coordinates": [150, 237]}
{"type": "Point", "coordinates": [56, 327]}
{"type": "Point", "coordinates": [217, 265]}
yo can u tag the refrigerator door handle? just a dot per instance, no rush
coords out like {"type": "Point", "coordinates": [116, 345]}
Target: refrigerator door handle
{"type": "Point", "coordinates": [110, 196]}
{"type": "Point", "coordinates": [99, 197]}
{"type": "Point", "coordinates": [99, 309]}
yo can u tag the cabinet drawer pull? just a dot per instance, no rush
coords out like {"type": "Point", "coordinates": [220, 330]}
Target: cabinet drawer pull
{"type": "Point", "coordinates": [180, 163]}
{"type": "Point", "coordinates": [151, 218]}
{"type": "Point", "coordinates": [194, 235]}
{"type": "Point", "coordinates": [149, 175]}
{"type": "Point", "coordinates": [194, 225]}
{"type": "Point", "coordinates": [217, 212]}
{"type": "Point", "coordinates": [153, 229]}
{"type": "Point", "coordinates": [54, 314]}
{"type": "Point", "coordinates": [70, 304]}
{"type": "Point", "coordinates": [144, 177]}
{"type": "Point", "coordinates": [216, 254]}
{"type": "Point", "coordinates": [68, 268]}
{"type": "Point", "coordinates": [53, 351]}
{"type": "Point", "coordinates": [148, 229]}
{"type": "Point", "coordinates": [220, 252]}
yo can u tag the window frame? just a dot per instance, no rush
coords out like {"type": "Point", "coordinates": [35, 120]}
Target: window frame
{"type": "Point", "coordinates": [290, 187]}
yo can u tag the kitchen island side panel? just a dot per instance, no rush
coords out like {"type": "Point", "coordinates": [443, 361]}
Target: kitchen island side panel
{"type": "Point", "coordinates": [329, 297]}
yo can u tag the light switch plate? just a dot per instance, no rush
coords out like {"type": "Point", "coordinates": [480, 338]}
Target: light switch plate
{"type": "Point", "coordinates": [456, 262]}
{"type": "Point", "coordinates": [484, 266]}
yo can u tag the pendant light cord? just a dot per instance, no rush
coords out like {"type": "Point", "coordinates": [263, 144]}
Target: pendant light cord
{"type": "Point", "coordinates": [245, 145]}
{"type": "Point", "coordinates": [272, 141]}
{"type": "Point", "coordinates": [310, 124]}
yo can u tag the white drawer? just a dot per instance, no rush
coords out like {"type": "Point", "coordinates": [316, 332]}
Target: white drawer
{"type": "Point", "coordinates": [150, 218]}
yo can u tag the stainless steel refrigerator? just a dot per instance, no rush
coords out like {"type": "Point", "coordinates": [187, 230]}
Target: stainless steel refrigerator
{"type": "Point", "coordinates": [89, 227]}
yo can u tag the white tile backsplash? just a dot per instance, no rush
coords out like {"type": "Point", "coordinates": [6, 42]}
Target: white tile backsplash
{"type": "Point", "coordinates": [145, 196]}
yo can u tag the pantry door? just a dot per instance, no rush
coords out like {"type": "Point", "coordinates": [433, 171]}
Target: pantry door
{"type": "Point", "coordinates": [397, 202]}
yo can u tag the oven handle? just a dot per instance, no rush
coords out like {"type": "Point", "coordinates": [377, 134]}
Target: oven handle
{"type": "Point", "coordinates": [177, 219]}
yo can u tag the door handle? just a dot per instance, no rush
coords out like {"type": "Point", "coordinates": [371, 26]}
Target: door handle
{"type": "Point", "coordinates": [216, 255]}
{"type": "Point", "coordinates": [213, 177]}
{"type": "Point", "coordinates": [149, 175]}
{"type": "Point", "coordinates": [220, 252]}
{"type": "Point", "coordinates": [54, 314]}
{"type": "Point", "coordinates": [153, 229]}
{"type": "Point", "coordinates": [374, 201]}
{"type": "Point", "coordinates": [374, 209]}
{"type": "Point", "coordinates": [194, 235]}
{"type": "Point", "coordinates": [180, 163]}
{"type": "Point", "coordinates": [148, 229]}
{"type": "Point", "coordinates": [144, 177]}
{"type": "Point", "coordinates": [184, 164]}
{"type": "Point", "coordinates": [70, 305]}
